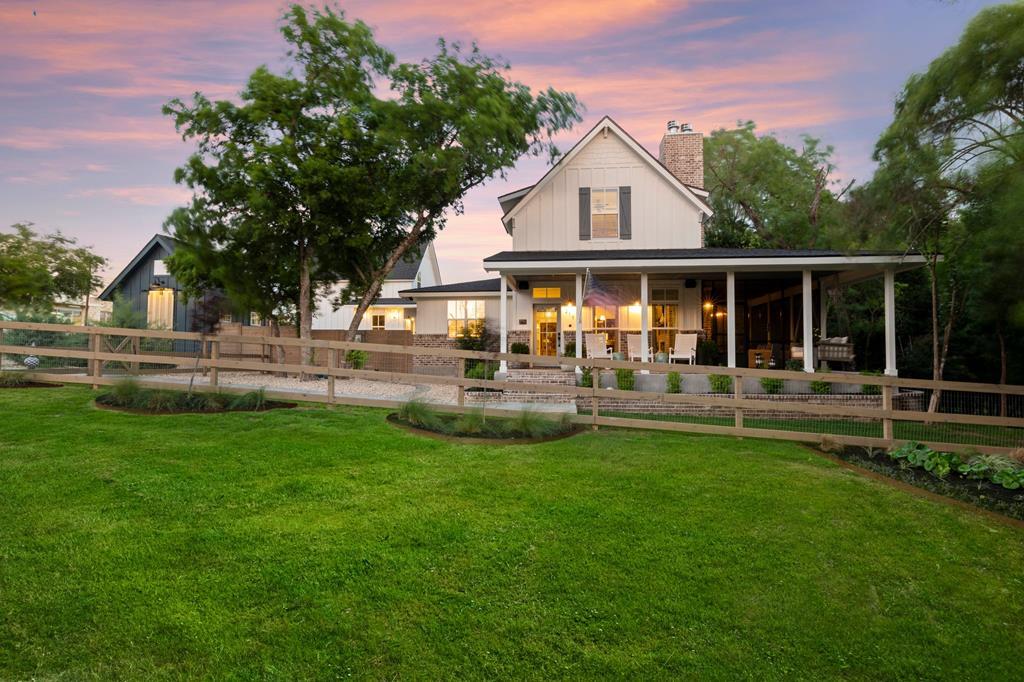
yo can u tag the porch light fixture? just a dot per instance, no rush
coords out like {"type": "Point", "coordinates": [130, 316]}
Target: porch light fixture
{"type": "Point", "coordinates": [708, 305]}
{"type": "Point", "coordinates": [635, 308]}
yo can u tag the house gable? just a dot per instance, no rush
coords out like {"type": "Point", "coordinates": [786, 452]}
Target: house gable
{"type": "Point", "coordinates": [662, 212]}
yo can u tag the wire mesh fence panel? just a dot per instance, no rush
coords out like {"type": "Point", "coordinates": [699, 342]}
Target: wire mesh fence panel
{"type": "Point", "coordinates": [44, 340]}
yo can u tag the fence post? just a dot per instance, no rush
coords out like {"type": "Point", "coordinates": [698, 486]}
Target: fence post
{"type": "Point", "coordinates": [332, 363]}
{"type": "Point", "coordinates": [887, 432]}
{"type": "Point", "coordinates": [97, 364]}
{"type": "Point", "coordinates": [595, 383]}
{"type": "Point", "coordinates": [214, 356]}
{"type": "Point", "coordinates": [136, 349]}
{"type": "Point", "coordinates": [738, 394]}
{"type": "Point", "coordinates": [461, 388]}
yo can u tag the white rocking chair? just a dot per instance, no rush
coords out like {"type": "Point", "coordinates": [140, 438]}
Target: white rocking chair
{"type": "Point", "coordinates": [597, 346]}
{"type": "Point", "coordinates": [685, 349]}
{"type": "Point", "coordinates": [634, 344]}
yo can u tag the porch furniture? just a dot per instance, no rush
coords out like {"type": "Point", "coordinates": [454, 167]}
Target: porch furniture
{"type": "Point", "coordinates": [763, 352]}
{"type": "Point", "coordinates": [635, 348]}
{"type": "Point", "coordinates": [597, 346]}
{"type": "Point", "coordinates": [684, 349]}
{"type": "Point", "coordinates": [835, 349]}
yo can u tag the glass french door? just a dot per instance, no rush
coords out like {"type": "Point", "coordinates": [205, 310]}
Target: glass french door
{"type": "Point", "coordinates": [545, 329]}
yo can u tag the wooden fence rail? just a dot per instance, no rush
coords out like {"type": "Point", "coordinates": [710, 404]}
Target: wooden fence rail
{"type": "Point", "coordinates": [206, 355]}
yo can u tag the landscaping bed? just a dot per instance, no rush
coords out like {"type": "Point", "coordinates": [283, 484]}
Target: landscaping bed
{"type": "Point", "coordinates": [525, 427]}
{"type": "Point", "coordinates": [16, 380]}
{"type": "Point", "coordinates": [128, 396]}
{"type": "Point", "coordinates": [991, 482]}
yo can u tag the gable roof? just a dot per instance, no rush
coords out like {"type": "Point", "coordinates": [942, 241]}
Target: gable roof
{"type": "Point", "coordinates": [406, 269]}
{"type": "Point", "coordinates": [481, 286]}
{"type": "Point", "coordinates": [158, 240]}
{"type": "Point", "coordinates": [608, 123]}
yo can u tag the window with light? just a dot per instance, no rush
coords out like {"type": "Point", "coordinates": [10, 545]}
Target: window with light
{"type": "Point", "coordinates": [465, 317]}
{"type": "Point", "coordinates": [604, 213]}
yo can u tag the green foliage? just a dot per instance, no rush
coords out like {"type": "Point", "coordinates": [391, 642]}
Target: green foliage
{"type": "Point", "coordinates": [720, 383]}
{"type": "Point", "coordinates": [794, 365]}
{"type": "Point", "coordinates": [570, 349]}
{"type": "Point", "coordinates": [821, 387]}
{"type": "Point", "coordinates": [525, 424]}
{"type": "Point", "coordinates": [914, 454]}
{"type": "Point", "coordinates": [519, 348]}
{"type": "Point", "coordinates": [587, 377]}
{"type": "Point", "coordinates": [673, 382]}
{"type": "Point", "coordinates": [356, 359]}
{"type": "Point", "coordinates": [529, 424]}
{"type": "Point", "coordinates": [707, 352]}
{"type": "Point", "coordinates": [766, 194]}
{"type": "Point", "coordinates": [772, 385]}
{"type": "Point", "coordinates": [13, 380]}
{"type": "Point", "coordinates": [481, 369]}
{"type": "Point", "coordinates": [128, 394]}
{"type": "Point", "coordinates": [625, 379]}
{"type": "Point", "coordinates": [419, 413]}
{"type": "Point", "coordinates": [472, 423]}
{"type": "Point", "coordinates": [985, 466]}
{"type": "Point", "coordinates": [871, 389]}
{"type": "Point", "coordinates": [37, 271]}
{"type": "Point", "coordinates": [123, 315]}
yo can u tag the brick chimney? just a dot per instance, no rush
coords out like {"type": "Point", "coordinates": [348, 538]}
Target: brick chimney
{"type": "Point", "coordinates": [682, 152]}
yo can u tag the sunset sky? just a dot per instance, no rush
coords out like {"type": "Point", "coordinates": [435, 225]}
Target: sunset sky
{"type": "Point", "coordinates": [84, 148]}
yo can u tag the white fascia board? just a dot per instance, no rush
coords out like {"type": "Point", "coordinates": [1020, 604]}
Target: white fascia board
{"type": "Point", "coordinates": [703, 264]}
{"type": "Point", "coordinates": [453, 294]}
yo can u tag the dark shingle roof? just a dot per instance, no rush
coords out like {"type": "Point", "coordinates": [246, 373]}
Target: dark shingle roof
{"type": "Point", "coordinates": [665, 254]}
{"type": "Point", "coordinates": [406, 269]}
{"type": "Point", "coordinates": [166, 242]}
{"type": "Point", "coordinates": [392, 301]}
{"type": "Point", "coordinates": [474, 287]}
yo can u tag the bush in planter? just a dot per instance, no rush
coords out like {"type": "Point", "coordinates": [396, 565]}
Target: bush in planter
{"type": "Point", "coordinates": [871, 389]}
{"type": "Point", "coordinates": [519, 348]}
{"type": "Point", "coordinates": [673, 382]}
{"type": "Point", "coordinates": [625, 379]}
{"type": "Point", "coordinates": [481, 370]}
{"type": "Point", "coordinates": [570, 350]}
{"type": "Point", "coordinates": [707, 352]}
{"type": "Point", "coordinates": [820, 387]}
{"type": "Point", "coordinates": [720, 383]}
{"type": "Point", "coordinates": [586, 377]}
{"type": "Point", "coordinates": [356, 359]}
{"type": "Point", "coordinates": [794, 365]}
{"type": "Point", "coordinates": [772, 385]}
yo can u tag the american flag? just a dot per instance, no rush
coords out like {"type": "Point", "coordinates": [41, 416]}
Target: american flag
{"type": "Point", "coordinates": [597, 292]}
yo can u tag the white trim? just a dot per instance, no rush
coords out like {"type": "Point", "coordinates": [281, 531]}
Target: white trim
{"type": "Point", "coordinates": [604, 124]}
{"type": "Point", "coordinates": [700, 264]}
{"type": "Point", "coordinates": [808, 321]}
{"type": "Point", "coordinates": [890, 322]}
{"type": "Point", "coordinates": [730, 317]}
{"type": "Point", "coordinates": [503, 324]}
{"type": "Point", "coordinates": [454, 294]}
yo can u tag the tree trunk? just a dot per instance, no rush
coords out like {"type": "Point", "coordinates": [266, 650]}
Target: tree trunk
{"type": "Point", "coordinates": [276, 351]}
{"type": "Point", "coordinates": [943, 351]}
{"type": "Point", "coordinates": [374, 288]}
{"type": "Point", "coordinates": [936, 367]}
{"type": "Point", "coordinates": [1002, 370]}
{"type": "Point", "coordinates": [305, 309]}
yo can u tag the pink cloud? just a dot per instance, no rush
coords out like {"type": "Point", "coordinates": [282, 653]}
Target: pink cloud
{"type": "Point", "coordinates": [141, 196]}
{"type": "Point", "coordinates": [144, 132]}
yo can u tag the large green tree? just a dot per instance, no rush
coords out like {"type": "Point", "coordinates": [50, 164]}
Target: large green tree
{"type": "Point", "coordinates": [964, 115]}
{"type": "Point", "coordinates": [36, 270]}
{"type": "Point", "coordinates": [768, 194]}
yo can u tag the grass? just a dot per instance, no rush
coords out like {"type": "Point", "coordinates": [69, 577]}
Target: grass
{"type": "Point", "coordinates": [325, 543]}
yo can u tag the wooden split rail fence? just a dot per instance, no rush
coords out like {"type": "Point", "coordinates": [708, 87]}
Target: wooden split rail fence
{"type": "Point", "coordinates": [971, 425]}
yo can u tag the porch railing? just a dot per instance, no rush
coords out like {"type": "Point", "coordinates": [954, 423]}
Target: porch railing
{"type": "Point", "coordinates": [873, 411]}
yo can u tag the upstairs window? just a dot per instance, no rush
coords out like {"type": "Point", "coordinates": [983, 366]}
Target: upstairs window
{"type": "Point", "coordinates": [604, 212]}
{"type": "Point", "coordinates": [159, 268]}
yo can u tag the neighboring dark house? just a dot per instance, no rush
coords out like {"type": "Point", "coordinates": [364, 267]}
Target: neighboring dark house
{"type": "Point", "coordinates": [152, 291]}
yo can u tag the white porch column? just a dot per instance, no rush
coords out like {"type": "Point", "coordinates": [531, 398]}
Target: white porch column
{"type": "Point", "coordinates": [644, 321]}
{"type": "Point", "coordinates": [503, 325]}
{"type": "Point", "coordinates": [890, 323]}
{"type": "Point", "coordinates": [730, 316]}
{"type": "Point", "coordinates": [808, 301]}
{"type": "Point", "coordinates": [579, 317]}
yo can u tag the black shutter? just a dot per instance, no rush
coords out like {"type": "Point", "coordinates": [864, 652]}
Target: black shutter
{"type": "Point", "coordinates": [584, 213]}
{"type": "Point", "coordinates": [625, 216]}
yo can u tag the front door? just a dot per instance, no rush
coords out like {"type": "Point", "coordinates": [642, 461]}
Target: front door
{"type": "Point", "coordinates": [545, 329]}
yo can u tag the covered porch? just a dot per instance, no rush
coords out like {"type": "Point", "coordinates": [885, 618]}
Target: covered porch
{"type": "Point", "coordinates": [746, 308]}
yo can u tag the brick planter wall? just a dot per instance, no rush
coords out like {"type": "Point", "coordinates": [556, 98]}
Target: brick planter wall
{"type": "Point", "coordinates": [429, 364]}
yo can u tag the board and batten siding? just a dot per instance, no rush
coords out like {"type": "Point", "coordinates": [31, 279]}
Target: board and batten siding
{"type": "Point", "coordinates": [662, 217]}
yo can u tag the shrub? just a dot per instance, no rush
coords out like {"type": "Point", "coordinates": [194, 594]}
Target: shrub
{"type": "Point", "coordinates": [985, 466]}
{"type": "Point", "coordinates": [127, 393]}
{"type": "Point", "coordinates": [356, 359]}
{"type": "Point", "coordinates": [772, 385]}
{"type": "Point", "coordinates": [164, 401]}
{"type": "Point", "coordinates": [625, 379]}
{"type": "Point", "coordinates": [481, 370]}
{"type": "Point", "coordinates": [519, 348]}
{"type": "Point", "coordinates": [871, 389]}
{"type": "Point", "coordinates": [794, 365]}
{"type": "Point", "coordinates": [253, 400]}
{"type": "Point", "coordinates": [570, 350]}
{"type": "Point", "coordinates": [720, 383]}
{"type": "Point", "coordinates": [1017, 455]}
{"type": "Point", "coordinates": [471, 423]}
{"type": "Point", "coordinates": [586, 377]}
{"type": "Point", "coordinates": [821, 387]}
{"type": "Point", "coordinates": [532, 425]}
{"type": "Point", "coordinates": [830, 445]}
{"type": "Point", "coordinates": [917, 455]}
{"type": "Point", "coordinates": [418, 413]}
{"type": "Point", "coordinates": [673, 382]}
{"type": "Point", "coordinates": [707, 352]}
{"type": "Point", "coordinates": [12, 380]}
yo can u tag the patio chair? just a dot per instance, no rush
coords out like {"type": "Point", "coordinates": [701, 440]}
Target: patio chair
{"type": "Point", "coordinates": [597, 346]}
{"type": "Point", "coordinates": [635, 348]}
{"type": "Point", "coordinates": [684, 349]}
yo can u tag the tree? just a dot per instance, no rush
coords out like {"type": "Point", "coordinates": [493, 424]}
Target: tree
{"type": "Point", "coordinates": [456, 121]}
{"type": "Point", "coordinates": [964, 113]}
{"type": "Point", "coordinates": [766, 194]}
{"type": "Point", "coordinates": [282, 180]}
{"type": "Point", "coordinates": [36, 271]}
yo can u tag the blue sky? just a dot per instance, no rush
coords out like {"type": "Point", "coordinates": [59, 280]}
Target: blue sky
{"type": "Point", "coordinates": [84, 148]}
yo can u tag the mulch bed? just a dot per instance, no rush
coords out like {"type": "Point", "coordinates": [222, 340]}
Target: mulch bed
{"type": "Point", "coordinates": [32, 384]}
{"type": "Point", "coordinates": [476, 440]}
{"type": "Point", "coordinates": [979, 495]}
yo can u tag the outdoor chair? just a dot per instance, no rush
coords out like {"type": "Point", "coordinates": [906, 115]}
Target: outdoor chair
{"type": "Point", "coordinates": [685, 349]}
{"type": "Point", "coordinates": [597, 346]}
{"type": "Point", "coordinates": [635, 347]}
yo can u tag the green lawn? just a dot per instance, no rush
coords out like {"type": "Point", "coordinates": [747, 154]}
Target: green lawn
{"type": "Point", "coordinates": [327, 543]}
